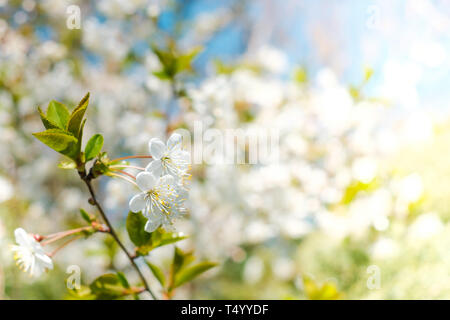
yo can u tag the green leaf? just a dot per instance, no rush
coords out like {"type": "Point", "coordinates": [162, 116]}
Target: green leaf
{"type": "Point", "coordinates": [75, 119]}
{"type": "Point", "coordinates": [190, 273]}
{"type": "Point", "coordinates": [314, 291]}
{"type": "Point", "coordinates": [183, 62]}
{"type": "Point", "coordinates": [107, 287]}
{"type": "Point", "coordinates": [58, 113]}
{"type": "Point", "coordinates": [162, 75]}
{"type": "Point", "coordinates": [135, 227]}
{"type": "Point", "coordinates": [59, 141]}
{"type": "Point", "coordinates": [85, 216]}
{"type": "Point", "coordinates": [159, 238]}
{"type": "Point", "coordinates": [93, 147]}
{"type": "Point", "coordinates": [159, 275]}
{"type": "Point", "coordinates": [48, 124]}
{"type": "Point", "coordinates": [67, 165]}
{"type": "Point", "coordinates": [123, 280]}
{"type": "Point", "coordinates": [181, 259]}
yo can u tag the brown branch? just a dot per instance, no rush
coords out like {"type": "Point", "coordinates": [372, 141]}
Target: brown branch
{"type": "Point", "coordinates": [112, 232]}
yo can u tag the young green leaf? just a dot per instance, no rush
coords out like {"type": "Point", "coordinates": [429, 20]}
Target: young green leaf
{"type": "Point", "coordinates": [93, 147]}
{"type": "Point", "coordinates": [58, 114]}
{"type": "Point", "coordinates": [85, 216]}
{"type": "Point", "coordinates": [107, 287]}
{"type": "Point", "coordinates": [48, 124]}
{"type": "Point", "coordinates": [183, 62]}
{"type": "Point", "coordinates": [190, 273]}
{"type": "Point", "coordinates": [159, 238]}
{"type": "Point", "coordinates": [59, 141]}
{"type": "Point", "coordinates": [159, 275]}
{"type": "Point", "coordinates": [135, 227]}
{"type": "Point", "coordinates": [181, 259]}
{"type": "Point", "coordinates": [67, 165]}
{"type": "Point", "coordinates": [75, 119]}
{"type": "Point", "coordinates": [123, 280]}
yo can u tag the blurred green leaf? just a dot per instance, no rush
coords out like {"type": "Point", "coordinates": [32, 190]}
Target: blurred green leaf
{"type": "Point", "coordinates": [188, 274]}
{"type": "Point", "coordinates": [123, 280]}
{"type": "Point", "coordinates": [157, 272]}
{"type": "Point", "coordinates": [135, 227]}
{"type": "Point", "coordinates": [75, 119]}
{"type": "Point", "coordinates": [181, 259]}
{"type": "Point", "coordinates": [58, 114]}
{"type": "Point", "coordinates": [67, 165]}
{"type": "Point", "coordinates": [59, 141]}
{"type": "Point", "coordinates": [183, 62]}
{"type": "Point", "coordinates": [85, 216]}
{"type": "Point", "coordinates": [93, 147]}
{"type": "Point", "coordinates": [107, 287]}
{"type": "Point", "coordinates": [83, 293]}
{"type": "Point", "coordinates": [327, 291]}
{"type": "Point", "coordinates": [159, 238]}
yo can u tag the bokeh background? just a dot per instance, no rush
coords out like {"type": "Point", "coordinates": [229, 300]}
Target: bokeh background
{"type": "Point", "coordinates": [357, 89]}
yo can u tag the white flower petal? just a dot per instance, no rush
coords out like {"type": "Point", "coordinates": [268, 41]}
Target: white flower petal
{"type": "Point", "coordinates": [137, 203]}
{"type": "Point", "coordinates": [174, 142]}
{"type": "Point", "coordinates": [145, 180]}
{"type": "Point", "coordinates": [22, 237]}
{"type": "Point", "coordinates": [151, 226]}
{"type": "Point", "coordinates": [156, 148]}
{"type": "Point", "coordinates": [45, 261]}
{"type": "Point", "coordinates": [155, 167]}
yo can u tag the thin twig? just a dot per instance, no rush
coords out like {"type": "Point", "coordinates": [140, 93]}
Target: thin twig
{"type": "Point", "coordinates": [112, 232]}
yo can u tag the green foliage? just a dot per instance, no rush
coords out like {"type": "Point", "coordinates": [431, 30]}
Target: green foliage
{"type": "Point", "coordinates": [58, 114]}
{"type": "Point", "coordinates": [60, 141]}
{"type": "Point", "coordinates": [144, 241]}
{"type": "Point", "coordinates": [157, 272]}
{"type": "Point", "coordinates": [67, 165]}
{"type": "Point", "coordinates": [108, 286]}
{"type": "Point", "coordinates": [93, 147]}
{"type": "Point", "coordinates": [86, 216]}
{"type": "Point", "coordinates": [190, 273]}
{"type": "Point", "coordinates": [327, 291]}
{"type": "Point", "coordinates": [48, 124]}
{"type": "Point", "coordinates": [135, 227]}
{"type": "Point", "coordinates": [174, 62]}
{"type": "Point", "coordinates": [182, 271]}
{"type": "Point", "coordinates": [123, 280]}
{"type": "Point", "coordinates": [65, 131]}
{"type": "Point", "coordinates": [355, 188]}
{"type": "Point", "coordinates": [76, 118]}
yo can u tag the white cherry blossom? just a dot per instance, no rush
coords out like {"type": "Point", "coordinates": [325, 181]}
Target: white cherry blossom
{"type": "Point", "coordinates": [29, 255]}
{"type": "Point", "coordinates": [168, 159]}
{"type": "Point", "coordinates": [161, 200]}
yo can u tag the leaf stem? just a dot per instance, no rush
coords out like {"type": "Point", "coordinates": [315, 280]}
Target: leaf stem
{"type": "Point", "coordinates": [112, 232]}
